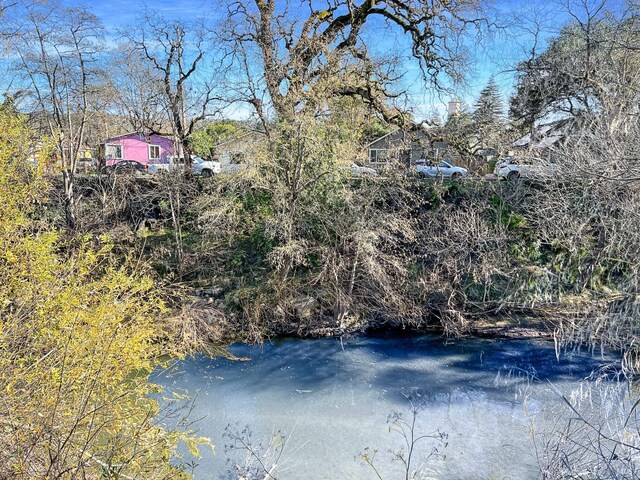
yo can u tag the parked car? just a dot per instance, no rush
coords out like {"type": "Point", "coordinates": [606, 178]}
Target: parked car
{"type": "Point", "coordinates": [442, 169]}
{"type": "Point", "coordinates": [127, 166]}
{"type": "Point", "coordinates": [514, 168]}
{"type": "Point", "coordinates": [198, 166]}
{"type": "Point", "coordinates": [358, 171]}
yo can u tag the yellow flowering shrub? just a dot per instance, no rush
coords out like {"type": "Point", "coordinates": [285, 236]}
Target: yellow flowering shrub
{"type": "Point", "coordinates": [77, 342]}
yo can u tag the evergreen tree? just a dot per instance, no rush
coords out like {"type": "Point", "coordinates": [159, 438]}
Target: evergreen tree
{"type": "Point", "coordinates": [488, 119]}
{"type": "Point", "coordinates": [489, 108]}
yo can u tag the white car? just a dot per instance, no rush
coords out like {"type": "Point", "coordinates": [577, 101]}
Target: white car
{"type": "Point", "coordinates": [441, 169]}
{"type": "Point", "coordinates": [359, 171]}
{"type": "Point", "coordinates": [514, 168]}
{"type": "Point", "coordinates": [198, 166]}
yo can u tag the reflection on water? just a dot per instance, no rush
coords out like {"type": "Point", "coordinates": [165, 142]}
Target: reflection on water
{"type": "Point", "coordinates": [332, 399]}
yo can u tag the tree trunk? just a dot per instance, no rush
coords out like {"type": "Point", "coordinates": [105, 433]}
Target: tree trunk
{"type": "Point", "coordinates": [69, 199]}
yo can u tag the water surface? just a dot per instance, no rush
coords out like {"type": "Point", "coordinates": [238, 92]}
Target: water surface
{"type": "Point", "coordinates": [332, 399]}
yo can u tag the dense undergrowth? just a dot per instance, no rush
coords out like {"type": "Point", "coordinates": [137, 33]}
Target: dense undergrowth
{"type": "Point", "coordinates": [391, 252]}
{"type": "Point", "coordinates": [176, 264]}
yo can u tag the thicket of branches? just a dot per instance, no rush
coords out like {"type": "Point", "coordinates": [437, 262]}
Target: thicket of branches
{"type": "Point", "coordinates": [292, 244]}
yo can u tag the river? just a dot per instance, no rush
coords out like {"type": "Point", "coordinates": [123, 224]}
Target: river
{"type": "Point", "coordinates": [325, 405]}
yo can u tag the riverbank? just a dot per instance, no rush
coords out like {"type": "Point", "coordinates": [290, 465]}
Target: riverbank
{"type": "Point", "coordinates": [488, 259]}
{"type": "Point", "coordinates": [224, 328]}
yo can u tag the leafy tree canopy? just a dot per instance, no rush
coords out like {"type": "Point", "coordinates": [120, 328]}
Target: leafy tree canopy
{"type": "Point", "coordinates": [204, 140]}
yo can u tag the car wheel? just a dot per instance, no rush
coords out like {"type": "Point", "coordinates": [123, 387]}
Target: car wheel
{"type": "Point", "coordinates": [456, 176]}
{"type": "Point", "coordinates": [513, 176]}
{"type": "Point", "coordinates": [207, 173]}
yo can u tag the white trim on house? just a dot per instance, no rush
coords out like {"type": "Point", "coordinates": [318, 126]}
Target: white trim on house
{"type": "Point", "coordinates": [130, 134]}
{"type": "Point", "coordinates": [151, 146]}
{"type": "Point", "coordinates": [117, 145]}
{"type": "Point", "coordinates": [385, 159]}
{"type": "Point", "coordinates": [384, 136]}
{"type": "Point", "coordinates": [141, 135]}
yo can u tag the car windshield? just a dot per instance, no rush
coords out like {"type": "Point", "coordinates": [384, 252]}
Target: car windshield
{"type": "Point", "coordinates": [444, 164]}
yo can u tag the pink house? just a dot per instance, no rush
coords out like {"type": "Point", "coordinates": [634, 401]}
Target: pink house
{"type": "Point", "coordinates": [144, 149]}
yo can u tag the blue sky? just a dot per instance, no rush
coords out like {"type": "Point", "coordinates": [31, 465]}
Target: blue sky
{"type": "Point", "coordinates": [494, 55]}
{"type": "Point", "coordinates": [116, 13]}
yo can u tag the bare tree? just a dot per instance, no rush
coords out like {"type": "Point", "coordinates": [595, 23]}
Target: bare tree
{"type": "Point", "coordinates": [5, 5]}
{"type": "Point", "coordinates": [307, 62]}
{"type": "Point", "coordinates": [187, 68]}
{"type": "Point", "coordinates": [310, 52]}
{"type": "Point", "coordinates": [325, 238]}
{"type": "Point", "coordinates": [586, 70]}
{"type": "Point", "coordinates": [57, 50]}
{"type": "Point", "coordinates": [138, 93]}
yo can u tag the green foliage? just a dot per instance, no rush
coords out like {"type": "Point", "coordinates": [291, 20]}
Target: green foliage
{"type": "Point", "coordinates": [373, 130]}
{"type": "Point", "coordinates": [249, 243]}
{"type": "Point", "coordinates": [489, 107]}
{"type": "Point", "coordinates": [204, 141]}
{"type": "Point", "coordinates": [503, 214]}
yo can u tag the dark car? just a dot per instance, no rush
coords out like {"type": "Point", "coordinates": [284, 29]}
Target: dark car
{"type": "Point", "coordinates": [127, 167]}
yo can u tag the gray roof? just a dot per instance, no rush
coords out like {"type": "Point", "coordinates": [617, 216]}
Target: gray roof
{"type": "Point", "coordinates": [403, 135]}
{"type": "Point", "coordinates": [546, 135]}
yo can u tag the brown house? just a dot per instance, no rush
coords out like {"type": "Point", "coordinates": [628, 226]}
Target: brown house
{"type": "Point", "coordinates": [405, 147]}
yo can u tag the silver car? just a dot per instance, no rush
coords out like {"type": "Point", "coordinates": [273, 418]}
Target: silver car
{"type": "Point", "coordinates": [442, 169]}
{"type": "Point", "coordinates": [358, 171]}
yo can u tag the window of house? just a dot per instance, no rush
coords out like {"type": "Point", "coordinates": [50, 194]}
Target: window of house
{"type": "Point", "coordinates": [377, 155]}
{"type": "Point", "coordinates": [154, 152]}
{"type": "Point", "coordinates": [113, 152]}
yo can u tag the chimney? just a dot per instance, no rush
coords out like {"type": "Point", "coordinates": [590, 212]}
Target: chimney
{"type": "Point", "coordinates": [454, 107]}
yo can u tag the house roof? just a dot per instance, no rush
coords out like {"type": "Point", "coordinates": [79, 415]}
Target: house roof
{"type": "Point", "coordinates": [391, 133]}
{"type": "Point", "coordinates": [136, 133]}
{"type": "Point", "coordinates": [383, 136]}
{"type": "Point", "coordinates": [545, 135]}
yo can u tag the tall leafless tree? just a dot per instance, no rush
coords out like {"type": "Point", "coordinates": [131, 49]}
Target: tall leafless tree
{"type": "Point", "coordinates": [57, 51]}
{"type": "Point", "coordinates": [138, 93]}
{"type": "Point", "coordinates": [5, 5]}
{"type": "Point", "coordinates": [309, 49]}
{"type": "Point", "coordinates": [184, 63]}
